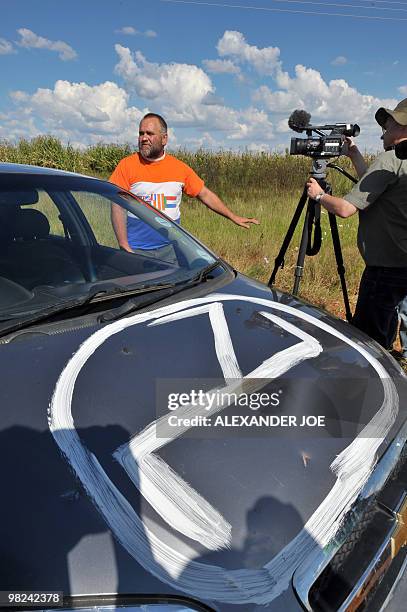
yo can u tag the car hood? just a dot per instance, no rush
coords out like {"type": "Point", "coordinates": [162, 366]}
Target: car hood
{"type": "Point", "coordinates": [99, 499]}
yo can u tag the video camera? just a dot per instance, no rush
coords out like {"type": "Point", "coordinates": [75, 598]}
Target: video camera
{"type": "Point", "coordinates": [324, 146]}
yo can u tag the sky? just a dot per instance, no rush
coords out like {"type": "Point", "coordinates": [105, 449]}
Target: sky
{"type": "Point", "coordinates": [226, 74]}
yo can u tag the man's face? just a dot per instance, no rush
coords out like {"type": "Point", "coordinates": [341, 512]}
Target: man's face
{"type": "Point", "coordinates": [151, 139]}
{"type": "Point", "coordinates": [393, 132]}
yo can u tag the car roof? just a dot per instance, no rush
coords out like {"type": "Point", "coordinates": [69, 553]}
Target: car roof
{"type": "Point", "coordinates": [9, 168]}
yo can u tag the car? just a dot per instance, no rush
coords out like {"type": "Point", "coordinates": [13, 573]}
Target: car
{"type": "Point", "coordinates": [176, 435]}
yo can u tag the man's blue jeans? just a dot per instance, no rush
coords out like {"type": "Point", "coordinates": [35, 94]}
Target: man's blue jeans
{"type": "Point", "coordinates": [403, 326]}
{"type": "Point", "coordinates": [381, 289]}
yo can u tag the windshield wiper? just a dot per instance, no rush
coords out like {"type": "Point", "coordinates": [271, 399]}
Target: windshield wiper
{"type": "Point", "coordinates": [203, 275]}
{"type": "Point", "coordinates": [71, 305]}
{"type": "Point", "coordinates": [136, 304]}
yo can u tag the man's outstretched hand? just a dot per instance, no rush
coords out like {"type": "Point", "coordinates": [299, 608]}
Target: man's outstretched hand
{"type": "Point", "coordinates": [212, 201]}
{"type": "Point", "coordinates": [245, 222]}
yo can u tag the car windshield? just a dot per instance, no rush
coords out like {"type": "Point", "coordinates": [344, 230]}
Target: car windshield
{"type": "Point", "coordinates": [59, 243]}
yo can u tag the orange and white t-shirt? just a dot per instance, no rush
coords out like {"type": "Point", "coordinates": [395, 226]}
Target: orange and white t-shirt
{"type": "Point", "coordinates": [160, 182]}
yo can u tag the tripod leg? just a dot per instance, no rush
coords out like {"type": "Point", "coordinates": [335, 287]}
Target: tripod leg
{"type": "Point", "coordinates": [299, 268]}
{"type": "Point", "coordinates": [279, 261]}
{"type": "Point", "coordinates": [339, 263]}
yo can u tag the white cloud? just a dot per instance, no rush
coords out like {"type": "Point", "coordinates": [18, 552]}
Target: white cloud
{"type": "Point", "coordinates": [6, 47]}
{"type": "Point", "coordinates": [233, 44]}
{"type": "Point", "coordinates": [80, 112]}
{"type": "Point", "coordinates": [30, 40]}
{"type": "Point", "coordinates": [130, 31]}
{"type": "Point", "coordinates": [84, 114]}
{"type": "Point", "coordinates": [403, 90]}
{"type": "Point", "coordinates": [19, 96]}
{"type": "Point", "coordinates": [307, 89]}
{"type": "Point", "coordinates": [221, 66]}
{"type": "Point", "coordinates": [212, 100]}
{"type": "Point", "coordinates": [206, 141]}
{"type": "Point", "coordinates": [341, 60]}
{"type": "Point", "coordinates": [17, 125]}
{"type": "Point", "coordinates": [324, 100]}
{"type": "Point", "coordinates": [277, 101]}
{"type": "Point", "coordinates": [328, 102]}
{"type": "Point", "coordinates": [259, 147]}
{"type": "Point", "coordinates": [185, 95]}
{"type": "Point", "coordinates": [127, 30]}
{"type": "Point", "coordinates": [282, 126]}
{"type": "Point", "coordinates": [253, 124]}
{"type": "Point", "coordinates": [180, 85]}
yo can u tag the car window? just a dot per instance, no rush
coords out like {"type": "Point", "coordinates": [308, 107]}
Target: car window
{"type": "Point", "coordinates": [97, 210]}
{"type": "Point", "coordinates": [59, 240]}
{"type": "Point", "coordinates": [47, 207]}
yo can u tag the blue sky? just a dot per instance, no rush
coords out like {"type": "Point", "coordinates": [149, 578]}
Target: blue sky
{"type": "Point", "coordinates": [224, 77]}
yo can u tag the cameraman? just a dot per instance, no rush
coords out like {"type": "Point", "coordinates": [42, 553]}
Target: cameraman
{"type": "Point", "coordinates": [380, 197]}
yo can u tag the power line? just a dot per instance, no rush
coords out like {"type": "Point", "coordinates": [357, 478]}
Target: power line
{"type": "Point", "coordinates": [281, 10]}
{"type": "Point", "coordinates": [384, 2]}
{"type": "Point", "coordinates": [337, 4]}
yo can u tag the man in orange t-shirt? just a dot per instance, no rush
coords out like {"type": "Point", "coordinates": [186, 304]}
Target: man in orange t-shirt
{"type": "Point", "coordinates": [159, 179]}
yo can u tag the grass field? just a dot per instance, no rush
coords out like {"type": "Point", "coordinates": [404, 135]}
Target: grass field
{"type": "Point", "coordinates": [265, 186]}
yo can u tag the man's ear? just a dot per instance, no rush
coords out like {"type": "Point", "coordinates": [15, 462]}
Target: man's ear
{"type": "Point", "coordinates": [165, 139]}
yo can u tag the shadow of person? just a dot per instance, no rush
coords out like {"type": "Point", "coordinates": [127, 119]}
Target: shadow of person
{"type": "Point", "coordinates": [271, 526]}
{"type": "Point", "coordinates": [45, 512]}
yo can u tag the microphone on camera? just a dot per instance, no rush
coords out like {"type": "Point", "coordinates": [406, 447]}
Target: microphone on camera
{"type": "Point", "coordinates": [401, 149]}
{"type": "Point", "coordinates": [299, 120]}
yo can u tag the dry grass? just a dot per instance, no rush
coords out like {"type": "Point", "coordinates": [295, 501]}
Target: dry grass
{"type": "Point", "coordinates": [253, 251]}
{"type": "Point", "coordinates": [266, 186]}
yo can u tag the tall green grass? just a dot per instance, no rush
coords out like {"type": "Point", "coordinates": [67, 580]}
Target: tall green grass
{"type": "Point", "coordinates": [50, 152]}
{"type": "Point", "coordinates": [262, 185]}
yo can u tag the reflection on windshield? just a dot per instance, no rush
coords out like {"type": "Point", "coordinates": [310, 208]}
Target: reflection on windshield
{"type": "Point", "coordinates": [61, 237]}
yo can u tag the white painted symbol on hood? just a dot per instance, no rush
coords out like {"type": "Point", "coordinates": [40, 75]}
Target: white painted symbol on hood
{"type": "Point", "coordinates": [176, 501]}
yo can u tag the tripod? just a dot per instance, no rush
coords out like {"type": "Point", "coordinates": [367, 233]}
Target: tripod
{"type": "Point", "coordinates": [312, 225]}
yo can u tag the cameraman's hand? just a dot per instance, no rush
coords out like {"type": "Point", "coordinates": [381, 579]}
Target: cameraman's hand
{"type": "Point", "coordinates": [349, 148]}
{"type": "Point", "coordinates": [313, 188]}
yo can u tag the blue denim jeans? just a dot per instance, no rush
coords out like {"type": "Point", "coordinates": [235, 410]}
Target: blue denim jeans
{"type": "Point", "coordinates": [381, 289]}
{"type": "Point", "coordinates": [403, 326]}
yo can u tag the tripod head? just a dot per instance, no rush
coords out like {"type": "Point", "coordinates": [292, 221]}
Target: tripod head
{"type": "Point", "coordinates": [319, 168]}
{"type": "Point", "coordinates": [318, 172]}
